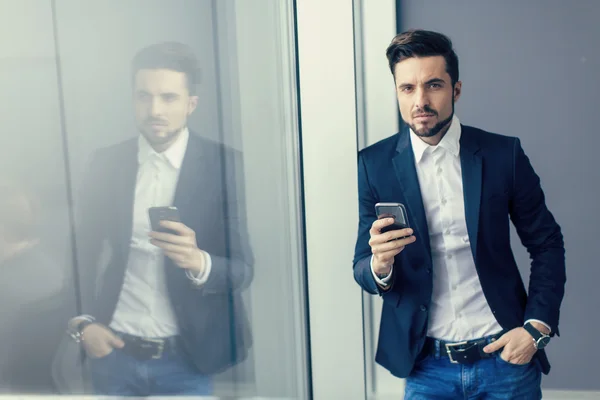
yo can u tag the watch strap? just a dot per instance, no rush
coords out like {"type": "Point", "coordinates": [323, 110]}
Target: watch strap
{"type": "Point", "coordinates": [82, 325]}
{"type": "Point", "coordinates": [76, 328]}
{"type": "Point", "coordinates": [537, 335]}
{"type": "Point", "coordinates": [532, 331]}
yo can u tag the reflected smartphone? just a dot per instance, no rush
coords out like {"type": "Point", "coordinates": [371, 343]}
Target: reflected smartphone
{"type": "Point", "coordinates": [392, 210]}
{"type": "Point", "coordinates": [158, 214]}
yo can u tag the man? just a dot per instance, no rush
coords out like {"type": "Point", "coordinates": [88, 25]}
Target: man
{"type": "Point", "coordinates": [166, 312]}
{"type": "Point", "coordinates": [456, 318]}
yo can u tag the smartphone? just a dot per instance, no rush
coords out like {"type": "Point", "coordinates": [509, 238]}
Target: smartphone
{"type": "Point", "coordinates": [158, 214]}
{"type": "Point", "coordinates": [392, 210]}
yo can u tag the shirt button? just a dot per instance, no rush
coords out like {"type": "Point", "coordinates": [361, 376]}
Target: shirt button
{"type": "Point", "coordinates": [466, 239]}
{"type": "Point", "coordinates": [449, 256]}
{"type": "Point", "coordinates": [448, 232]}
{"type": "Point", "coordinates": [454, 287]}
{"type": "Point", "coordinates": [439, 170]}
{"type": "Point", "coordinates": [444, 201]}
{"type": "Point", "coordinates": [423, 307]}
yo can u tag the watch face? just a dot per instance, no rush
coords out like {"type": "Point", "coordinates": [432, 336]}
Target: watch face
{"type": "Point", "coordinates": [543, 342]}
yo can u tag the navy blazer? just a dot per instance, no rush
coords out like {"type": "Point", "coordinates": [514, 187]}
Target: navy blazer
{"type": "Point", "coordinates": [498, 182]}
{"type": "Point", "coordinates": [211, 318]}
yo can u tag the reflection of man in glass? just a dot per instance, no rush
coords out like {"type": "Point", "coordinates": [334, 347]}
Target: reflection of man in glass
{"type": "Point", "coordinates": [32, 297]}
{"type": "Point", "coordinates": [166, 313]}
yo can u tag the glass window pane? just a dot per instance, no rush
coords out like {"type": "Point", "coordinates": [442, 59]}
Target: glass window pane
{"type": "Point", "coordinates": [188, 105]}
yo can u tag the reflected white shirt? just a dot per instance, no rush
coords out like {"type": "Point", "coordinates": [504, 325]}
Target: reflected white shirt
{"type": "Point", "coordinates": [459, 310]}
{"type": "Point", "coordinates": [144, 308]}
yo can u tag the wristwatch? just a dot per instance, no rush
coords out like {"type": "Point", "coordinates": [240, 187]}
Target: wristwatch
{"type": "Point", "coordinates": [76, 330]}
{"type": "Point", "coordinates": [383, 276]}
{"type": "Point", "coordinates": [540, 340]}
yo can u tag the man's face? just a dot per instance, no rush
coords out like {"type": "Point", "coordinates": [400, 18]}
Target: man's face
{"type": "Point", "coordinates": [425, 94]}
{"type": "Point", "coordinates": [162, 104]}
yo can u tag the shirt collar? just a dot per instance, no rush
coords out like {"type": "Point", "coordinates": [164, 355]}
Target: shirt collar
{"type": "Point", "coordinates": [450, 141]}
{"type": "Point", "coordinates": [173, 155]}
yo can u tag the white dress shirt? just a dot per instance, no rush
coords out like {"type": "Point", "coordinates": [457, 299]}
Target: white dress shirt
{"type": "Point", "coordinates": [459, 310]}
{"type": "Point", "coordinates": [144, 308]}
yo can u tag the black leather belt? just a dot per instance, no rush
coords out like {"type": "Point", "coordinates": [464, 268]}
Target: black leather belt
{"type": "Point", "coordinates": [145, 349]}
{"type": "Point", "coordinates": [466, 352]}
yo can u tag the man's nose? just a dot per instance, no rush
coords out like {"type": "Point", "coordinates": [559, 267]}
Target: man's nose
{"type": "Point", "coordinates": [156, 106]}
{"type": "Point", "coordinates": [421, 99]}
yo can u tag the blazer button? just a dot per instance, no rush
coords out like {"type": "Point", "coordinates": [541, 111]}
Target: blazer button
{"type": "Point", "coordinates": [423, 307]}
{"type": "Point", "coordinates": [429, 271]}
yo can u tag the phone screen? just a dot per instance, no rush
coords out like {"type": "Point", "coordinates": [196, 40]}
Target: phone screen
{"type": "Point", "coordinates": [158, 214]}
{"type": "Point", "coordinates": [395, 211]}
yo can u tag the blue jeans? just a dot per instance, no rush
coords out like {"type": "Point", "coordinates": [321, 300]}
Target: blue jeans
{"type": "Point", "coordinates": [492, 378]}
{"type": "Point", "coordinates": [119, 374]}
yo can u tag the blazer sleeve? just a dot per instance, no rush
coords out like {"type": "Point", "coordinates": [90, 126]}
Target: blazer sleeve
{"type": "Point", "coordinates": [362, 252]}
{"type": "Point", "coordinates": [542, 237]}
{"type": "Point", "coordinates": [234, 270]}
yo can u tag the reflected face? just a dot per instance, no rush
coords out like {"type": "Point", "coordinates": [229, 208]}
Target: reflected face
{"type": "Point", "coordinates": [162, 104]}
{"type": "Point", "coordinates": [426, 96]}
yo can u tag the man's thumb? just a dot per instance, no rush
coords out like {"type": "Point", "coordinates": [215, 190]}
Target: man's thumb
{"type": "Point", "coordinates": [116, 342]}
{"type": "Point", "coordinates": [497, 345]}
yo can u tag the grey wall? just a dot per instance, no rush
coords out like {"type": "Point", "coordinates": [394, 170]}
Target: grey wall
{"type": "Point", "coordinates": [530, 69]}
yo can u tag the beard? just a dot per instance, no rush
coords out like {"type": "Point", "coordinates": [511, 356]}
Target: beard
{"type": "Point", "coordinates": [158, 138]}
{"type": "Point", "coordinates": [437, 128]}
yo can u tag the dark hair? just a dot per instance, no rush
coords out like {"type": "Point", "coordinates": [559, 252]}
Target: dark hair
{"type": "Point", "coordinates": [169, 55]}
{"type": "Point", "coordinates": [422, 43]}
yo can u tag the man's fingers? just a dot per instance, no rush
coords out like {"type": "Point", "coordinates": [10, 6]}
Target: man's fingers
{"type": "Point", "coordinates": [178, 227]}
{"type": "Point", "coordinates": [116, 342]}
{"type": "Point", "coordinates": [170, 247]}
{"type": "Point", "coordinates": [169, 237]}
{"type": "Point", "coordinates": [380, 224]}
{"type": "Point", "coordinates": [392, 235]}
{"type": "Point", "coordinates": [388, 245]}
{"type": "Point", "coordinates": [398, 234]}
{"type": "Point", "coordinates": [497, 345]}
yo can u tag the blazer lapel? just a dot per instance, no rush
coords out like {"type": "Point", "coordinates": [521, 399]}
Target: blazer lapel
{"type": "Point", "coordinates": [404, 165]}
{"type": "Point", "coordinates": [193, 174]}
{"type": "Point", "coordinates": [471, 165]}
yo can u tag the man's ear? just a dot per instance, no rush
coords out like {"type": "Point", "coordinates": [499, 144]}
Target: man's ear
{"type": "Point", "coordinates": [457, 91]}
{"type": "Point", "coordinates": [193, 103]}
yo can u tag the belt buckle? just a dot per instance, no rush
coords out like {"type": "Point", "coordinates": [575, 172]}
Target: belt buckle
{"type": "Point", "coordinates": [161, 347]}
{"type": "Point", "coordinates": [450, 346]}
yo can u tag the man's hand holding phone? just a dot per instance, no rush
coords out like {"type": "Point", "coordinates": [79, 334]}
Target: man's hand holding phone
{"type": "Point", "coordinates": [177, 240]}
{"type": "Point", "coordinates": [385, 246]}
